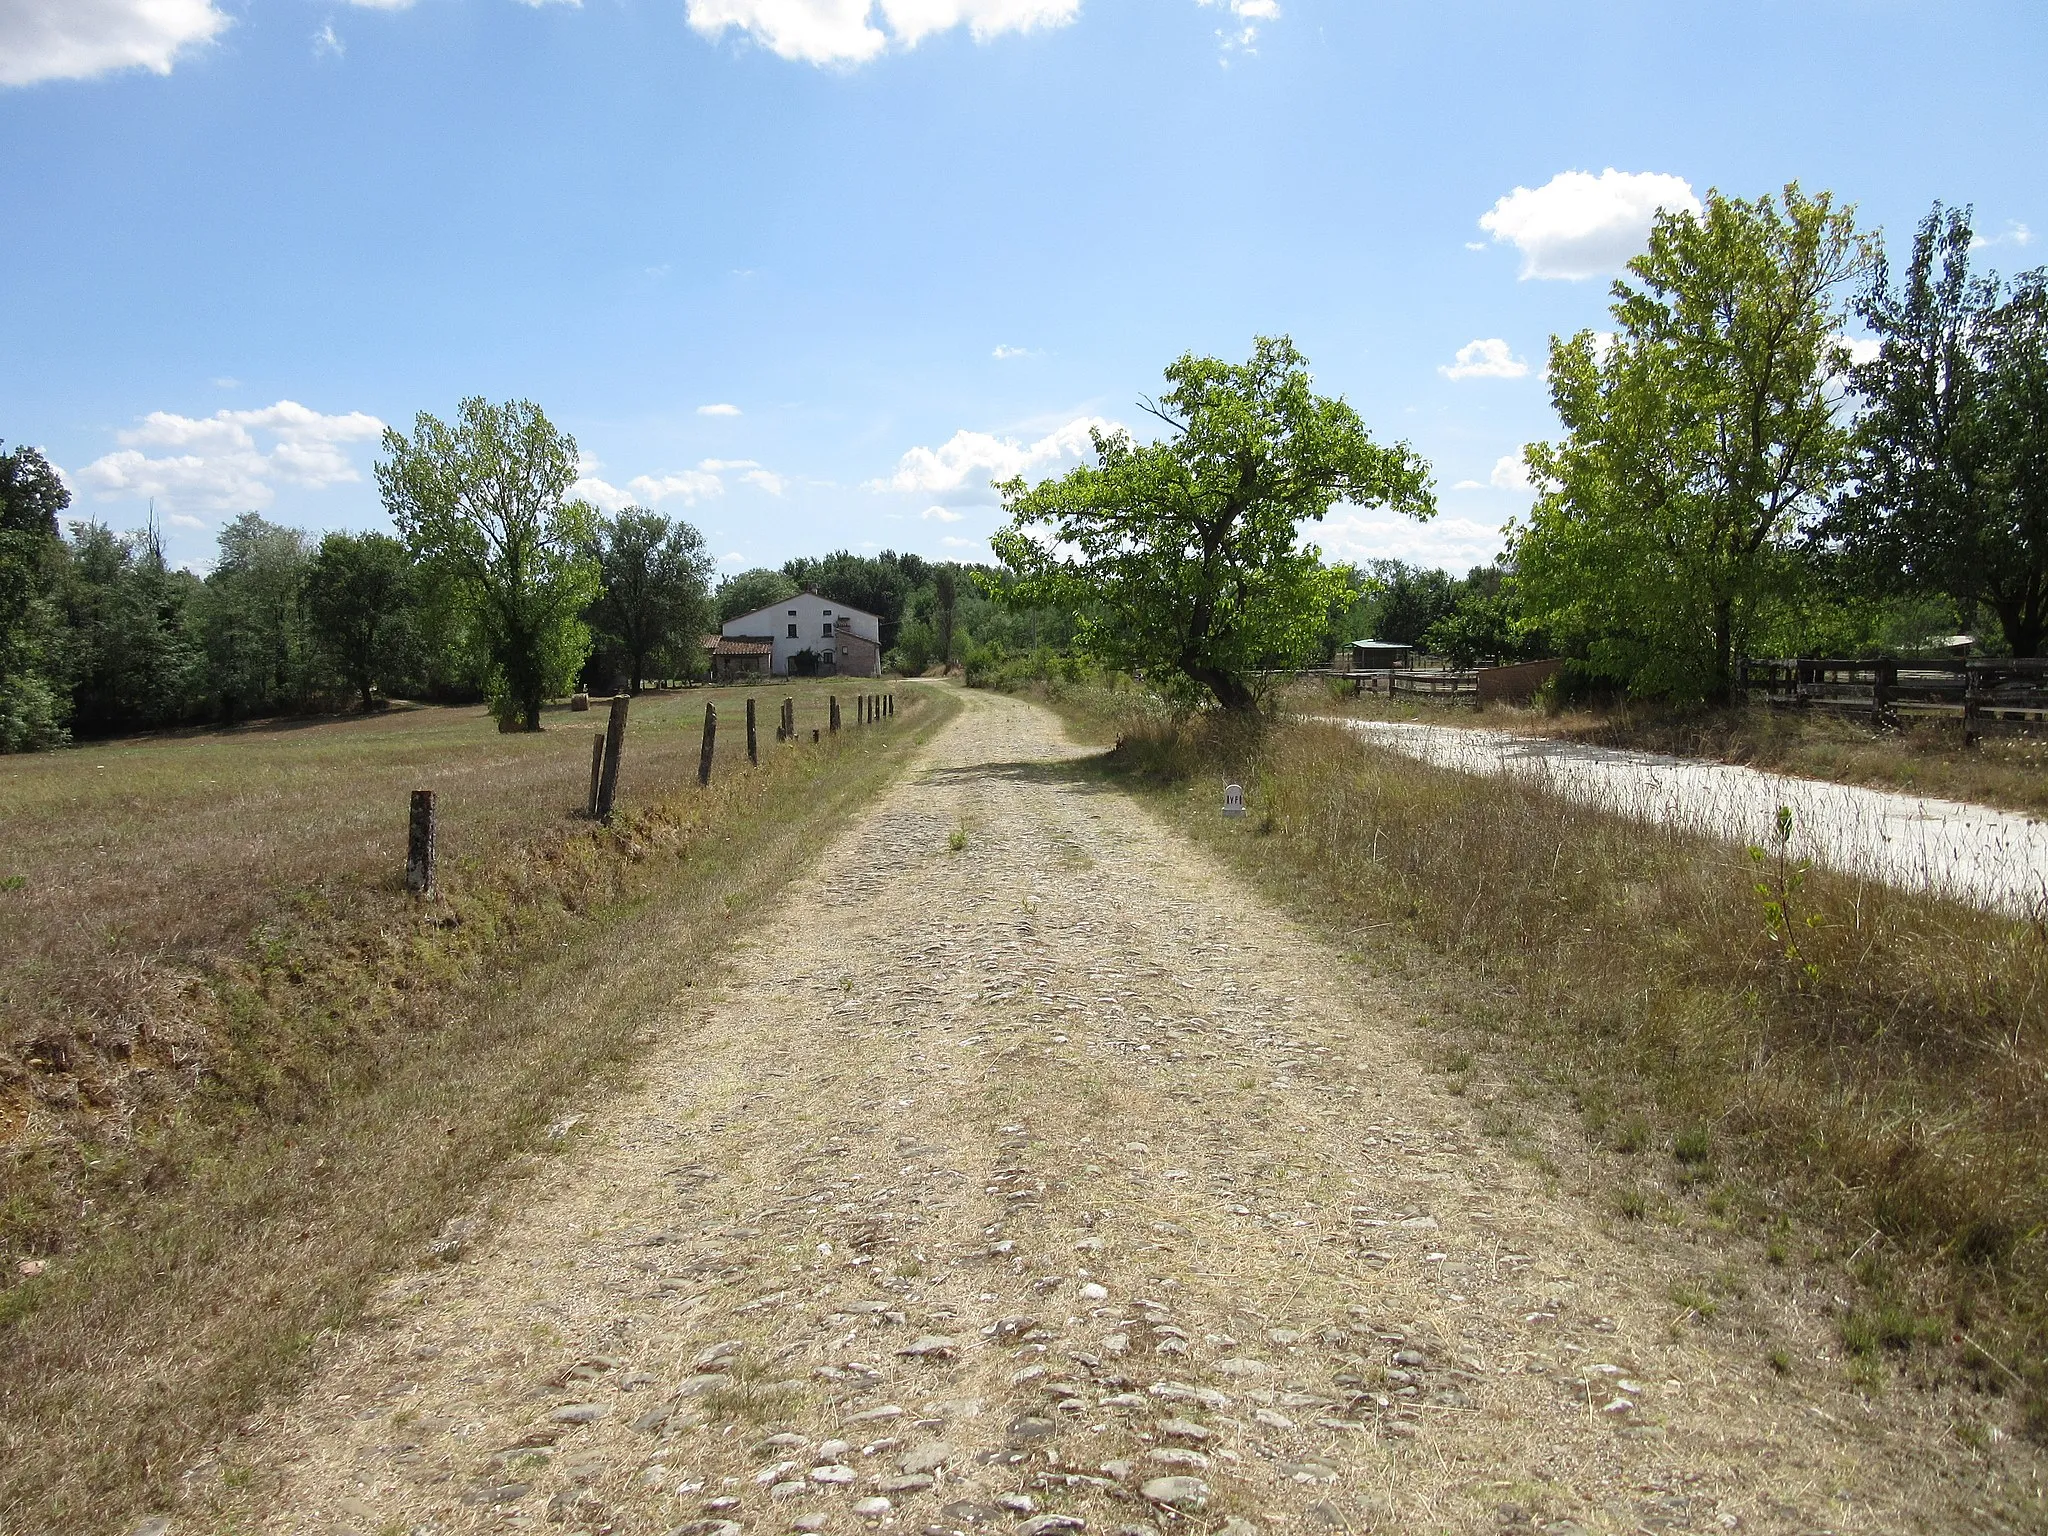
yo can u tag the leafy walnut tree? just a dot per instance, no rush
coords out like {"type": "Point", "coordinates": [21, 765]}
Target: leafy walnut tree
{"type": "Point", "coordinates": [1182, 556]}
{"type": "Point", "coordinates": [481, 503]}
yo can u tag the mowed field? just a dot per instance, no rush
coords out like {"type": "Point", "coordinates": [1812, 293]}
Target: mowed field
{"type": "Point", "coordinates": [131, 863]}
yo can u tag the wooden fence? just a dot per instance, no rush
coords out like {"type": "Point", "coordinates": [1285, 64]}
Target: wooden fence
{"type": "Point", "coordinates": [1975, 688]}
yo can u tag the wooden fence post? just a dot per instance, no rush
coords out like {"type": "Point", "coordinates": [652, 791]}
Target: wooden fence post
{"type": "Point", "coordinates": [614, 749]}
{"type": "Point", "coordinates": [789, 719]}
{"type": "Point", "coordinates": [596, 767]}
{"type": "Point", "coordinates": [1882, 685]}
{"type": "Point", "coordinates": [419, 844]}
{"type": "Point", "coordinates": [835, 711]}
{"type": "Point", "coordinates": [710, 740]}
{"type": "Point", "coordinates": [753, 751]}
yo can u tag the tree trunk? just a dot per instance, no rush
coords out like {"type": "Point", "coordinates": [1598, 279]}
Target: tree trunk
{"type": "Point", "coordinates": [1724, 647]}
{"type": "Point", "coordinates": [2025, 623]}
{"type": "Point", "coordinates": [1229, 689]}
{"type": "Point", "coordinates": [366, 698]}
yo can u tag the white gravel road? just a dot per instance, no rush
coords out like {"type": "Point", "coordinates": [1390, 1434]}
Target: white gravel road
{"type": "Point", "coordinates": [1990, 858]}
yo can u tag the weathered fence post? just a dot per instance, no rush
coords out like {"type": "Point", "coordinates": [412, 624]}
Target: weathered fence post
{"type": "Point", "coordinates": [835, 711]}
{"type": "Point", "coordinates": [596, 767]}
{"type": "Point", "coordinates": [753, 751]}
{"type": "Point", "coordinates": [789, 719]}
{"type": "Point", "coordinates": [1883, 684]}
{"type": "Point", "coordinates": [419, 844]}
{"type": "Point", "coordinates": [814, 735]}
{"type": "Point", "coordinates": [614, 749]}
{"type": "Point", "coordinates": [710, 740]}
{"type": "Point", "coordinates": [1972, 705]}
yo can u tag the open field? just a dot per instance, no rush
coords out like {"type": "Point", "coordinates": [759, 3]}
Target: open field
{"type": "Point", "coordinates": [272, 1073]}
{"type": "Point", "coordinates": [136, 868]}
{"type": "Point", "coordinates": [2008, 767]}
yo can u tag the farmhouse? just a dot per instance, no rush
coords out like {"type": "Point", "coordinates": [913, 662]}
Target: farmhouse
{"type": "Point", "coordinates": [804, 636]}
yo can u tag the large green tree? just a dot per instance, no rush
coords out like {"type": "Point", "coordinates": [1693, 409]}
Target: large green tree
{"type": "Point", "coordinates": [485, 502]}
{"type": "Point", "coordinates": [32, 706]}
{"type": "Point", "coordinates": [1952, 443]}
{"type": "Point", "coordinates": [656, 576]}
{"type": "Point", "coordinates": [1183, 555]}
{"type": "Point", "coordinates": [359, 589]}
{"type": "Point", "coordinates": [1699, 436]}
{"type": "Point", "coordinates": [750, 591]}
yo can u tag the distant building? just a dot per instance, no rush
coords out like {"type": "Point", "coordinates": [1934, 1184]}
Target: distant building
{"type": "Point", "coordinates": [1372, 656]}
{"type": "Point", "coordinates": [804, 636]}
{"type": "Point", "coordinates": [737, 660]}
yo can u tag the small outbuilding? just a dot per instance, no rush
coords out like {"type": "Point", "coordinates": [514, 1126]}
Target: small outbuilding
{"type": "Point", "coordinates": [739, 658]}
{"type": "Point", "coordinates": [1372, 656]}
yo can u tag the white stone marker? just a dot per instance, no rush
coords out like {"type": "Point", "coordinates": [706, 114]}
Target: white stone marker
{"type": "Point", "coordinates": [1233, 799]}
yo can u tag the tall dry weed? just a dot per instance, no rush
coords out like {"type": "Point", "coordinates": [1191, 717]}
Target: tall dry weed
{"type": "Point", "coordinates": [1870, 1057]}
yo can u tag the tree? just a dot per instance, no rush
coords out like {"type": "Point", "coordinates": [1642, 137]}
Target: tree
{"type": "Point", "coordinates": [358, 589]}
{"type": "Point", "coordinates": [1699, 437]}
{"type": "Point", "coordinates": [945, 605]}
{"type": "Point", "coordinates": [1181, 555]}
{"type": "Point", "coordinates": [252, 621]}
{"type": "Point", "coordinates": [128, 616]}
{"type": "Point", "coordinates": [32, 707]}
{"type": "Point", "coordinates": [656, 576]}
{"type": "Point", "coordinates": [483, 503]}
{"type": "Point", "coordinates": [751, 591]}
{"type": "Point", "coordinates": [1951, 442]}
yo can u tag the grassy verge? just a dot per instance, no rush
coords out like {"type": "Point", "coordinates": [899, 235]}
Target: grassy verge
{"type": "Point", "coordinates": [1926, 756]}
{"type": "Point", "coordinates": [1824, 1064]}
{"type": "Point", "coordinates": [363, 1067]}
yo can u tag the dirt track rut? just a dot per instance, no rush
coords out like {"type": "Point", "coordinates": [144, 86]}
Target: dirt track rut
{"type": "Point", "coordinates": [1056, 1178]}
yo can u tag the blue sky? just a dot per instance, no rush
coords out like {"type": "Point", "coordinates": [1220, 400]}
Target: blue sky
{"type": "Point", "coordinates": [809, 272]}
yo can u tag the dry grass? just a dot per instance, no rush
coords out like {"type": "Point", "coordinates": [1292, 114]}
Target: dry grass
{"type": "Point", "coordinates": [2008, 767]}
{"type": "Point", "coordinates": [1869, 1063]}
{"type": "Point", "coordinates": [280, 1075]}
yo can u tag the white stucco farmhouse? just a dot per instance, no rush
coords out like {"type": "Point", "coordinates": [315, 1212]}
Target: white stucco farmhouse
{"type": "Point", "coordinates": [812, 635]}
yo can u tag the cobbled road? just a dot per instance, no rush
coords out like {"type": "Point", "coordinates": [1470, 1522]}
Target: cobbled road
{"type": "Point", "coordinates": [1053, 1182]}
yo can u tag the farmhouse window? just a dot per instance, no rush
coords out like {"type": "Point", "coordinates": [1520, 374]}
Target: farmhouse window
{"type": "Point", "coordinates": [827, 630]}
{"type": "Point", "coordinates": [792, 631]}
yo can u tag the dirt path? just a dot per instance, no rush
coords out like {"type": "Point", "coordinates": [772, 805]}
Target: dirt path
{"type": "Point", "coordinates": [1974, 853]}
{"type": "Point", "coordinates": [1053, 1179]}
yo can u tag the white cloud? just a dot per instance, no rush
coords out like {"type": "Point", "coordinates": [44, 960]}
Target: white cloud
{"type": "Point", "coordinates": [941, 514]}
{"type": "Point", "coordinates": [220, 463]}
{"type": "Point", "coordinates": [1248, 15]}
{"type": "Point", "coordinates": [967, 461]}
{"type": "Point", "coordinates": [1486, 359]}
{"type": "Point", "coordinates": [2014, 233]}
{"type": "Point", "coordinates": [1454, 543]}
{"type": "Point", "coordinates": [326, 42]}
{"type": "Point", "coordinates": [1003, 354]}
{"type": "Point", "coordinates": [717, 466]}
{"type": "Point", "coordinates": [1578, 225]}
{"type": "Point", "coordinates": [382, 5]}
{"type": "Point", "coordinates": [732, 557]}
{"type": "Point", "coordinates": [186, 520]}
{"type": "Point", "coordinates": [721, 409]}
{"type": "Point", "coordinates": [78, 39]}
{"type": "Point", "coordinates": [957, 543]}
{"type": "Point", "coordinates": [765, 479]}
{"type": "Point", "coordinates": [1509, 473]}
{"type": "Point", "coordinates": [1862, 349]}
{"type": "Point", "coordinates": [843, 31]}
{"type": "Point", "coordinates": [689, 486]}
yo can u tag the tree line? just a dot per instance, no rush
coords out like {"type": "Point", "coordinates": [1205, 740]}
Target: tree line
{"type": "Point", "coordinates": [1732, 479]}
{"type": "Point", "coordinates": [496, 586]}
